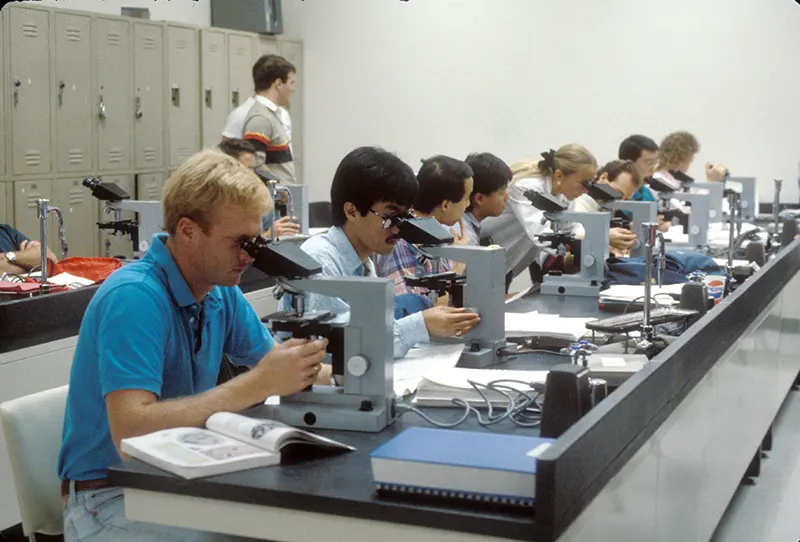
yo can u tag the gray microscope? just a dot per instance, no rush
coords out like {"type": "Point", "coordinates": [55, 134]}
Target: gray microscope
{"type": "Point", "coordinates": [698, 219]}
{"type": "Point", "coordinates": [115, 200]}
{"type": "Point", "coordinates": [640, 212]}
{"type": "Point", "coordinates": [481, 290]}
{"type": "Point", "coordinates": [362, 349]}
{"type": "Point", "coordinates": [593, 251]}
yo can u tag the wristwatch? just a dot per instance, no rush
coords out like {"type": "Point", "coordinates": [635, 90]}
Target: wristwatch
{"type": "Point", "coordinates": [11, 257]}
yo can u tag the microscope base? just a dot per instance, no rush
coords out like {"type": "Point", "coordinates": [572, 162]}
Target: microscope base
{"type": "Point", "coordinates": [329, 408]}
{"type": "Point", "coordinates": [573, 286]}
{"type": "Point", "coordinates": [483, 357]}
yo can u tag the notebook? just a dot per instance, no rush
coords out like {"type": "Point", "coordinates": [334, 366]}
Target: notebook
{"type": "Point", "coordinates": [477, 466]}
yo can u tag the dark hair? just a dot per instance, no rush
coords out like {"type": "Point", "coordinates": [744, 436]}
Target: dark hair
{"type": "Point", "coordinates": [440, 178]}
{"type": "Point", "coordinates": [615, 168]}
{"type": "Point", "coordinates": [631, 147]}
{"type": "Point", "coordinates": [268, 68]}
{"type": "Point", "coordinates": [235, 147]}
{"type": "Point", "coordinates": [489, 174]}
{"type": "Point", "coordinates": [368, 175]}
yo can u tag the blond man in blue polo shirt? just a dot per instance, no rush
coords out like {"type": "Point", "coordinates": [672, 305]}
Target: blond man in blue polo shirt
{"type": "Point", "coordinates": [153, 336]}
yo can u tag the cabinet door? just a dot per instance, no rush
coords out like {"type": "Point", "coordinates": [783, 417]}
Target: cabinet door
{"type": "Point", "coordinates": [114, 107]}
{"type": "Point", "coordinates": [266, 46]}
{"type": "Point", "coordinates": [110, 244]}
{"type": "Point", "coordinates": [26, 218]}
{"type": "Point", "coordinates": [148, 97]}
{"type": "Point", "coordinates": [293, 52]}
{"type": "Point", "coordinates": [240, 68]}
{"type": "Point", "coordinates": [72, 87]}
{"type": "Point", "coordinates": [5, 200]}
{"type": "Point", "coordinates": [150, 187]}
{"type": "Point", "coordinates": [79, 208]}
{"type": "Point", "coordinates": [29, 84]}
{"type": "Point", "coordinates": [183, 66]}
{"type": "Point", "coordinates": [5, 129]}
{"type": "Point", "coordinates": [214, 74]}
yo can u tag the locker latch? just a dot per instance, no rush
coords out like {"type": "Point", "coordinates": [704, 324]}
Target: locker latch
{"type": "Point", "coordinates": [17, 84]}
{"type": "Point", "coordinates": [208, 97]}
{"type": "Point", "coordinates": [138, 113]}
{"type": "Point", "coordinates": [176, 95]}
{"type": "Point", "coordinates": [61, 87]}
{"type": "Point", "coordinates": [235, 98]}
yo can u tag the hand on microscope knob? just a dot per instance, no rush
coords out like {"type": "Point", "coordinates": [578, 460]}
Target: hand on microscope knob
{"type": "Point", "coordinates": [292, 365]}
{"type": "Point", "coordinates": [443, 321]}
{"type": "Point", "coordinates": [284, 227]}
{"type": "Point", "coordinates": [621, 239]}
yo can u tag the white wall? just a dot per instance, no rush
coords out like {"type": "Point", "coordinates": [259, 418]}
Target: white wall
{"type": "Point", "coordinates": [518, 76]}
{"type": "Point", "coordinates": [194, 12]}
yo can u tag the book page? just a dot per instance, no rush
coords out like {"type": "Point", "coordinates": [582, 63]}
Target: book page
{"type": "Point", "coordinates": [190, 447]}
{"type": "Point", "coordinates": [421, 360]}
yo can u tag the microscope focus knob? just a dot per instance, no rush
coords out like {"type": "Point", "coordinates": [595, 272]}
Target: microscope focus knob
{"type": "Point", "coordinates": [357, 365]}
{"type": "Point", "coordinates": [588, 260]}
{"type": "Point", "coordinates": [694, 230]}
{"type": "Point", "coordinates": [712, 214]}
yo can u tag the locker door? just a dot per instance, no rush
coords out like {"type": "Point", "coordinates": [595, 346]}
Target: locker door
{"type": "Point", "coordinates": [25, 218]}
{"type": "Point", "coordinates": [240, 68]}
{"type": "Point", "coordinates": [149, 186]}
{"type": "Point", "coordinates": [214, 84]}
{"type": "Point", "coordinates": [183, 66]}
{"type": "Point", "coordinates": [148, 126]}
{"type": "Point", "coordinates": [29, 85]}
{"type": "Point", "coordinates": [72, 87]}
{"type": "Point", "coordinates": [4, 126]}
{"type": "Point", "coordinates": [114, 104]}
{"type": "Point", "coordinates": [118, 246]}
{"type": "Point", "coordinates": [79, 208]}
{"type": "Point", "coordinates": [266, 46]}
{"type": "Point", "coordinates": [293, 52]}
{"type": "Point", "coordinates": [5, 217]}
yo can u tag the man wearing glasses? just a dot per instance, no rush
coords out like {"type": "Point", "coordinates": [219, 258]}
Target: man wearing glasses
{"type": "Point", "coordinates": [371, 189]}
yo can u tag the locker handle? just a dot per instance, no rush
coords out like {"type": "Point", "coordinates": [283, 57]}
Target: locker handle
{"type": "Point", "coordinates": [17, 84]}
{"type": "Point", "coordinates": [61, 87]}
{"type": "Point", "coordinates": [235, 98]}
{"type": "Point", "coordinates": [208, 97]}
{"type": "Point", "coordinates": [103, 114]}
{"type": "Point", "coordinates": [138, 113]}
{"type": "Point", "coordinates": [176, 95]}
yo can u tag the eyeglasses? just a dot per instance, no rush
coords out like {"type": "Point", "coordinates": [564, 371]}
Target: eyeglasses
{"type": "Point", "coordinates": [389, 220]}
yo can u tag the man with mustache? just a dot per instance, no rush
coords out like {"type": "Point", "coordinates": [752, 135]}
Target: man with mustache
{"type": "Point", "coordinates": [371, 187]}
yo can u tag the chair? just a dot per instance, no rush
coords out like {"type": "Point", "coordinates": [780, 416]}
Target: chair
{"type": "Point", "coordinates": [319, 214]}
{"type": "Point", "coordinates": [32, 426]}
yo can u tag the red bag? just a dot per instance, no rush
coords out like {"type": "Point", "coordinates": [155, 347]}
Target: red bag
{"type": "Point", "coordinates": [96, 269]}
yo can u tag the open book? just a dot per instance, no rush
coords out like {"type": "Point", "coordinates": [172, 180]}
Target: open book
{"type": "Point", "coordinates": [231, 443]}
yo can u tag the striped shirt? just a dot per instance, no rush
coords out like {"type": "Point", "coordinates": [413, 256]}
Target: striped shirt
{"type": "Point", "coordinates": [407, 259]}
{"type": "Point", "coordinates": [265, 130]}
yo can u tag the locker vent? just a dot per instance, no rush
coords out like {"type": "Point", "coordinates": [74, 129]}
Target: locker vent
{"type": "Point", "coordinates": [149, 154]}
{"type": "Point", "coordinates": [74, 34]}
{"type": "Point", "coordinates": [115, 155]}
{"type": "Point", "coordinates": [112, 38]}
{"type": "Point", "coordinates": [30, 30]}
{"type": "Point", "coordinates": [181, 44]}
{"type": "Point", "coordinates": [75, 156]}
{"type": "Point", "coordinates": [149, 43]}
{"type": "Point", "coordinates": [76, 196]}
{"type": "Point", "coordinates": [33, 158]}
{"type": "Point", "coordinates": [183, 153]}
{"type": "Point", "coordinates": [213, 47]}
{"type": "Point", "coordinates": [242, 51]}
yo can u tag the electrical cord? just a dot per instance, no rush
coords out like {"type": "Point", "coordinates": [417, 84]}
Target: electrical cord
{"type": "Point", "coordinates": [11, 277]}
{"type": "Point", "coordinates": [641, 298]}
{"type": "Point", "coordinates": [523, 409]}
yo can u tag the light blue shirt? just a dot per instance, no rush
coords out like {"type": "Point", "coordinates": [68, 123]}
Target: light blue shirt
{"type": "Point", "coordinates": [473, 229]}
{"type": "Point", "coordinates": [338, 258]}
{"type": "Point", "coordinates": [140, 331]}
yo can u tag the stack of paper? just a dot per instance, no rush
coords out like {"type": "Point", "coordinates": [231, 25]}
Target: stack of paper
{"type": "Point", "coordinates": [422, 360]}
{"type": "Point", "coordinates": [627, 293]}
{"type": "Point", "coordinates": [440, 388]}
{"type": "Point", "coordinates": [550, 325]}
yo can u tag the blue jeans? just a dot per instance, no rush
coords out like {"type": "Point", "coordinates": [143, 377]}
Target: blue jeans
{"type": "Point", "coordinates": [97, 516]}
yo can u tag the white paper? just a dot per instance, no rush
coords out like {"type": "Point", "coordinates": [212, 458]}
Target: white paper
{"type": "Point", "coordinates": [613, 362]}
{"type": "Point", "coordinates": [65, 279]}
{"type": "Point", "coordinates": [519, 295]}
{"type": "Point", "coordinates": [458, 378]}
{"type": "Point", "coordinates": [421, 360]}
{"type": "Point", "coordinates": [545, 324]}
{"type": "Point", "coordinates": [629, 292]}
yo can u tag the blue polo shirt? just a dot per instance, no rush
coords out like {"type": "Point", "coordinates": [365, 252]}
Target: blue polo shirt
{"type": "Point", "coordinates": [140, 331]}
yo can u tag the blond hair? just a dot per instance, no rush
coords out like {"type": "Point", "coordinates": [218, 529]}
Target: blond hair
{"type": "Point", "coordinates": [207, 180]}
{"type": "Point", "coordinates": [677, 149]}
{"type": "Point", "coordinates": [569, 158]}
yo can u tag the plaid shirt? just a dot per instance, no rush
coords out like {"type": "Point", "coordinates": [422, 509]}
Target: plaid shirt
{"type": "Point", "coordinates": [406, 259]}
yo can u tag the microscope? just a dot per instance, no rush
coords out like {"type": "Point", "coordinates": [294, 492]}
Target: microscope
{"type": "Point", "coordinates": [115, 200]}
{"type": "Point", "coordinates": [43, 209]}
{"type": "Point", "coordinates": [749, 196]}
{"type": "Point", "coordinates": [640, 211]}
{"type": "Point", "coordinates": [482, 290]}
{"type": "Point", "coordinates": [296, 198]}
{"type": "Point", "coordinates": [593, 251]}
{"type": "Point", "coordinates": [361, 349]}
{"type": "Point", "coordinates": [715, 192]}
{"type": "Point", "coordinates": [701, 208]}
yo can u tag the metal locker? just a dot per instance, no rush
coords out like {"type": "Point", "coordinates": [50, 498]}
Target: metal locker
{"type": "Point", "coordinates": [150, 186]}
{"type": "Point", "coordinates": [214, 85]}
{"type": "Point", "coordinates": [183, 66]}
{"type": "Point", "coordinates": [114, 103]}
{"type": "Point", "coordinates": [5, 198]}
{"type": "Point", "coordinates": [79, 208]}
{"type": "Point", "coordinates": [29, 86]}
{"type": "Point", "coordinates": [4, 126]}
{"type": "Point", "coordinates": [117, 246]}
{"type": "Point", "coordinates": [266, 46]}
{"type": "Point", "coordinates": [240, 69]}
{"type": "Point", "coordinates": [148, 97]}
{"type": "Point", "coordinates": [25, 217]}
{"type": "Point", "coordinates": [293, 52]}
{"type": "Point", "coordinates": [72, 88]}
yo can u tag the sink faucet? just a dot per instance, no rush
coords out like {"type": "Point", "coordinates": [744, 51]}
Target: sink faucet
{"type": "Point", "coordinates": [43, 208]}
{"type": "Point", "coordinates": [652, 236]}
